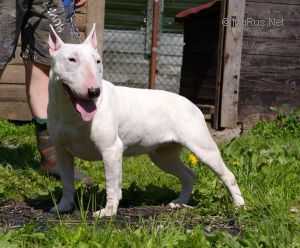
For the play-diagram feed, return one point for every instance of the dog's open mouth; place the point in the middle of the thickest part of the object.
(85, 107)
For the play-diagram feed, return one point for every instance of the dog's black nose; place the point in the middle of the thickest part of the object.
(93, 92)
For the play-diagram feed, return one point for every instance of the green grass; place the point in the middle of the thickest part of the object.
(266, 162)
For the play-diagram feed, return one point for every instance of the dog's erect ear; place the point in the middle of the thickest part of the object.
(92, 37)
(55, 43)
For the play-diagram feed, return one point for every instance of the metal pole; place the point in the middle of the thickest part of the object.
(154, 44)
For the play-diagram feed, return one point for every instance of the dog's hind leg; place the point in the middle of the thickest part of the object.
(167, 157)
(66, 171)
(208, 153)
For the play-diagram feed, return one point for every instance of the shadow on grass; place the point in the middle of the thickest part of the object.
(23, 156)
(19, 157)
(91, 198)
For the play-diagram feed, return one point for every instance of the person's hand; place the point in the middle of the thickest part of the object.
(79, 3)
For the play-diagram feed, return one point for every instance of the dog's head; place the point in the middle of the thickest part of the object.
(79, 68)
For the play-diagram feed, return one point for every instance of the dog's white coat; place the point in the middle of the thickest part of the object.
(128, 121)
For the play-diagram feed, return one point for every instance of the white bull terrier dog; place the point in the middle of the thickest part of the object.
(92, 119)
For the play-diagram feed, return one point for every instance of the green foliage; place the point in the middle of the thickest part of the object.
(266, 162)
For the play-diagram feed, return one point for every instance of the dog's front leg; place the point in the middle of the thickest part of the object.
(112, 158)
(66, 171)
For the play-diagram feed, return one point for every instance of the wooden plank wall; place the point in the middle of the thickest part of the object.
(270, 73)
(13, 101)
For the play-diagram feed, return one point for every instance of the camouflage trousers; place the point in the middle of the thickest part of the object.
(31, 20)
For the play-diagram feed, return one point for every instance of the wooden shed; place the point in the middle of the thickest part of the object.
(241, 58)
(13, 102)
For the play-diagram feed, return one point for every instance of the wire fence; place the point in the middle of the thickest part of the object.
(126, 60)
(126, 54)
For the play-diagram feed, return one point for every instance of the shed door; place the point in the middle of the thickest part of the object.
(202, 68)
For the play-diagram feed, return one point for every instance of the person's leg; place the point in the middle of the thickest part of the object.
(36, 79)
(37, 88)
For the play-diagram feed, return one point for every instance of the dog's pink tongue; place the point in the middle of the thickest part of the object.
(87, 109)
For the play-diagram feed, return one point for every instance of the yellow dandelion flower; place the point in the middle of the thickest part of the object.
(193, 160)
(236, 163)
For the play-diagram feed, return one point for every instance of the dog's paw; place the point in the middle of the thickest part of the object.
(105, 212)
(174, 205)
(239, 201)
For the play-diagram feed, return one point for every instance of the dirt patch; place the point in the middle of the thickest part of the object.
(16, 214)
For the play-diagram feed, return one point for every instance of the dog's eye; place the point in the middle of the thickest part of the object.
(73, 60)
(98, 61)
